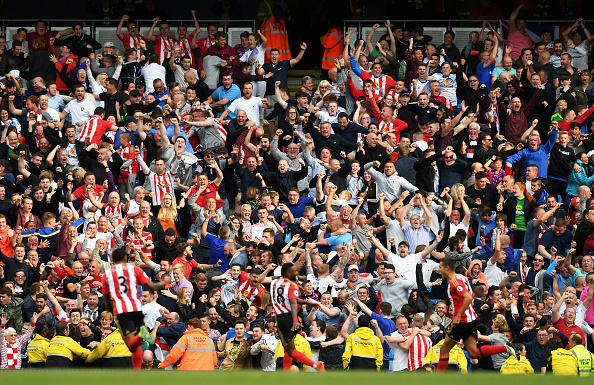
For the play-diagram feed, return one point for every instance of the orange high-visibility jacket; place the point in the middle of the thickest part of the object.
(276, 33)
(196, 350)
(333, 42)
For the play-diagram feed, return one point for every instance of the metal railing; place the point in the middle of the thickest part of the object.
(104, 30)
(436, 28)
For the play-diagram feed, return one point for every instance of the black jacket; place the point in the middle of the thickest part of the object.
(426, 173)
(79, 44)
(282, 183)
(40, 65)
(509, 209)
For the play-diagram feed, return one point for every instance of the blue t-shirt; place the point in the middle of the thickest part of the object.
(159, 96)
(489, 225)
(171, 133)
(297, 209)
(339, 240)
(334, 321)
(217, 251)
(561, 243)
(387, 327)
(232, 93)
(484, 74)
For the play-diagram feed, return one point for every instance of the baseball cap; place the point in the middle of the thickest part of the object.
(404, 93)
(207, 152)
(109, 44)
(353, 267)
(404, 243)
(68, 45)
(15, 73)
(162, 319)
(130, 119)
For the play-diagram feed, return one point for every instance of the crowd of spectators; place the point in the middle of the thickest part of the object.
(194, 157)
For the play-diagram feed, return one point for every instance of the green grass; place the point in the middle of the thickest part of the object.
(105, 377)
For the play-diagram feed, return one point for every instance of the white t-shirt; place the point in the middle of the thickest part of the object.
(53, 113)
(150, 73)
(407, 265)
(251, 107)
(429, 267)
(461, 225)
(494, 274)
(315, 354)
(80, 112)
(151, 313)
(134, 207)
(393, 229)
(400, 355)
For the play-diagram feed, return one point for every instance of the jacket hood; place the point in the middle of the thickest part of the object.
(365, 332)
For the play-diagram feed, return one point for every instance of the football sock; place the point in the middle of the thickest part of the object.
(135, 343)
(300, 357)
(137, 359)
(287, 362)
(443, 363)
(485, 351)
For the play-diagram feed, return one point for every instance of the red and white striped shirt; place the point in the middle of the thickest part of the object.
(222, 130)
(160, 184)
(115, 212)
(417, 351)
(138, 242)
(133, 42)
(128, 153)
(282, 291)
(10, 354)
(121, 283)
(163, 47)
(94, 130)
(28, 218)
(96, 282)
(187, 50)
(204, 44)
(161, 349)
(458, 286)
(253, 294)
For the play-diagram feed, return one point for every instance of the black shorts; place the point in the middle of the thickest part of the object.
(129, 323)
(284, 323)
(462, 331)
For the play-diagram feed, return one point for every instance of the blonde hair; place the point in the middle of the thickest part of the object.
(181, 293)
(98, 78)
(178, 266)
(265, 300)
(324, 83)
(168, 212)
(455, 188)
(106, 315)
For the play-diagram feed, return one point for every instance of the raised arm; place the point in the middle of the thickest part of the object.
(297, 59)
(150, 36)
(512, 19)
(370, 37)
(119, 33)
(466, 209)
